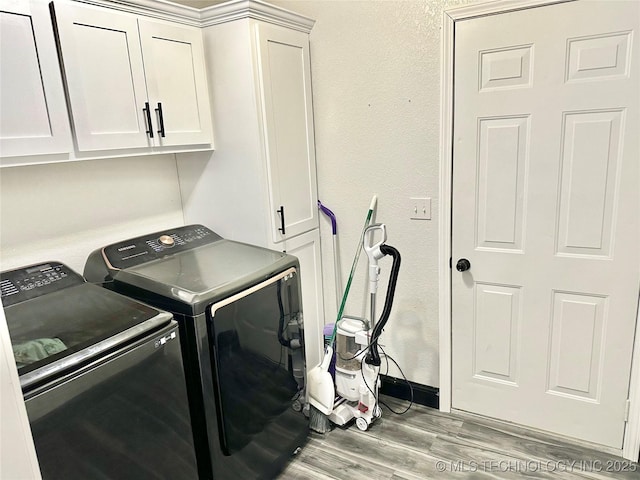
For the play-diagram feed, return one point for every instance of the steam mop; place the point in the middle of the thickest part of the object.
(320, 386)
(357, 358)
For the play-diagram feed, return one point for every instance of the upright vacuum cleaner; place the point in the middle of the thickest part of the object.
(357, 354)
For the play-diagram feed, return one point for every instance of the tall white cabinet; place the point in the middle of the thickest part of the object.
(259, 186)
(284, 88)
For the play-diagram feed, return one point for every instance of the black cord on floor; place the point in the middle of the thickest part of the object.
(405, 379)
(377, 396)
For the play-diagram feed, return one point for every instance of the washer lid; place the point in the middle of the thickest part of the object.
(57, 321)
(205, 273)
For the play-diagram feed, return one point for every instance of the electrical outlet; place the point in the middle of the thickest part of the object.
(419, 208)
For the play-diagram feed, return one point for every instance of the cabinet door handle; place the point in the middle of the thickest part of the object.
(281, 212)
(147, 111)
(160, 119)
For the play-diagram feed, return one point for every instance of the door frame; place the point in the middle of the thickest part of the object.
(631, 442)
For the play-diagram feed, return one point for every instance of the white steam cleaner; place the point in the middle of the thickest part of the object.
(357, 368)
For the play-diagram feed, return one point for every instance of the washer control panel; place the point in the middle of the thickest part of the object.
(29, 282)
(136, 251)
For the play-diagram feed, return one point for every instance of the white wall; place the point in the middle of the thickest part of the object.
(376, 86)
(64, 211)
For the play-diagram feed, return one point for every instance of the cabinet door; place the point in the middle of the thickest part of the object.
(33, 117)
(285, 88)
(307, 248)
(176, 82)
(104, 75)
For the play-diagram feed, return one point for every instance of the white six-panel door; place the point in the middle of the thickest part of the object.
(546, 208)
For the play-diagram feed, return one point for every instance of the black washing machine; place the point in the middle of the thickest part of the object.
(240, 317)
(102, 379)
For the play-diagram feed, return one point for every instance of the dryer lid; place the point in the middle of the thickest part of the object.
(205, 273)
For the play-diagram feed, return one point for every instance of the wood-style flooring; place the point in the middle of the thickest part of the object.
(425, 443)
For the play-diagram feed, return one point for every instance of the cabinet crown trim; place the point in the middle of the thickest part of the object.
(159, 9)
(213, 15)
(256, 9)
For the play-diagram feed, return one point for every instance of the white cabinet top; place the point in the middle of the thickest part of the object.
(213, 15)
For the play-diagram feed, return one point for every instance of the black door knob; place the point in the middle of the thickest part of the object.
(463, 265)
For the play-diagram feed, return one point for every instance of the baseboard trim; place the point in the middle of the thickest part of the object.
(399, 388)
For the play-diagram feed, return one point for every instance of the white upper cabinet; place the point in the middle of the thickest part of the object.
(285, 87)
(33, 116)
(104, 74)
(132, 82)
(176, 82)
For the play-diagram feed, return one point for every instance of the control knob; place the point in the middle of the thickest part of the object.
(167, 241)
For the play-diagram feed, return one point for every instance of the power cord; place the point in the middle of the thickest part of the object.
(388, 357)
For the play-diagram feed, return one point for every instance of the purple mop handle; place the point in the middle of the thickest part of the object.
(331, 215)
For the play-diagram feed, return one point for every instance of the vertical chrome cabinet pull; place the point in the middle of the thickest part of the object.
(160, 119)
(281, 212)
(147, 111)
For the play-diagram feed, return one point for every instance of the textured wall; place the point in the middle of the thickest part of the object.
(376, 87)
(63, 211)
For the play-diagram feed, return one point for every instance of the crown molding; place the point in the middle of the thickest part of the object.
(214, 15)
(256, 9)
(160, 9)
